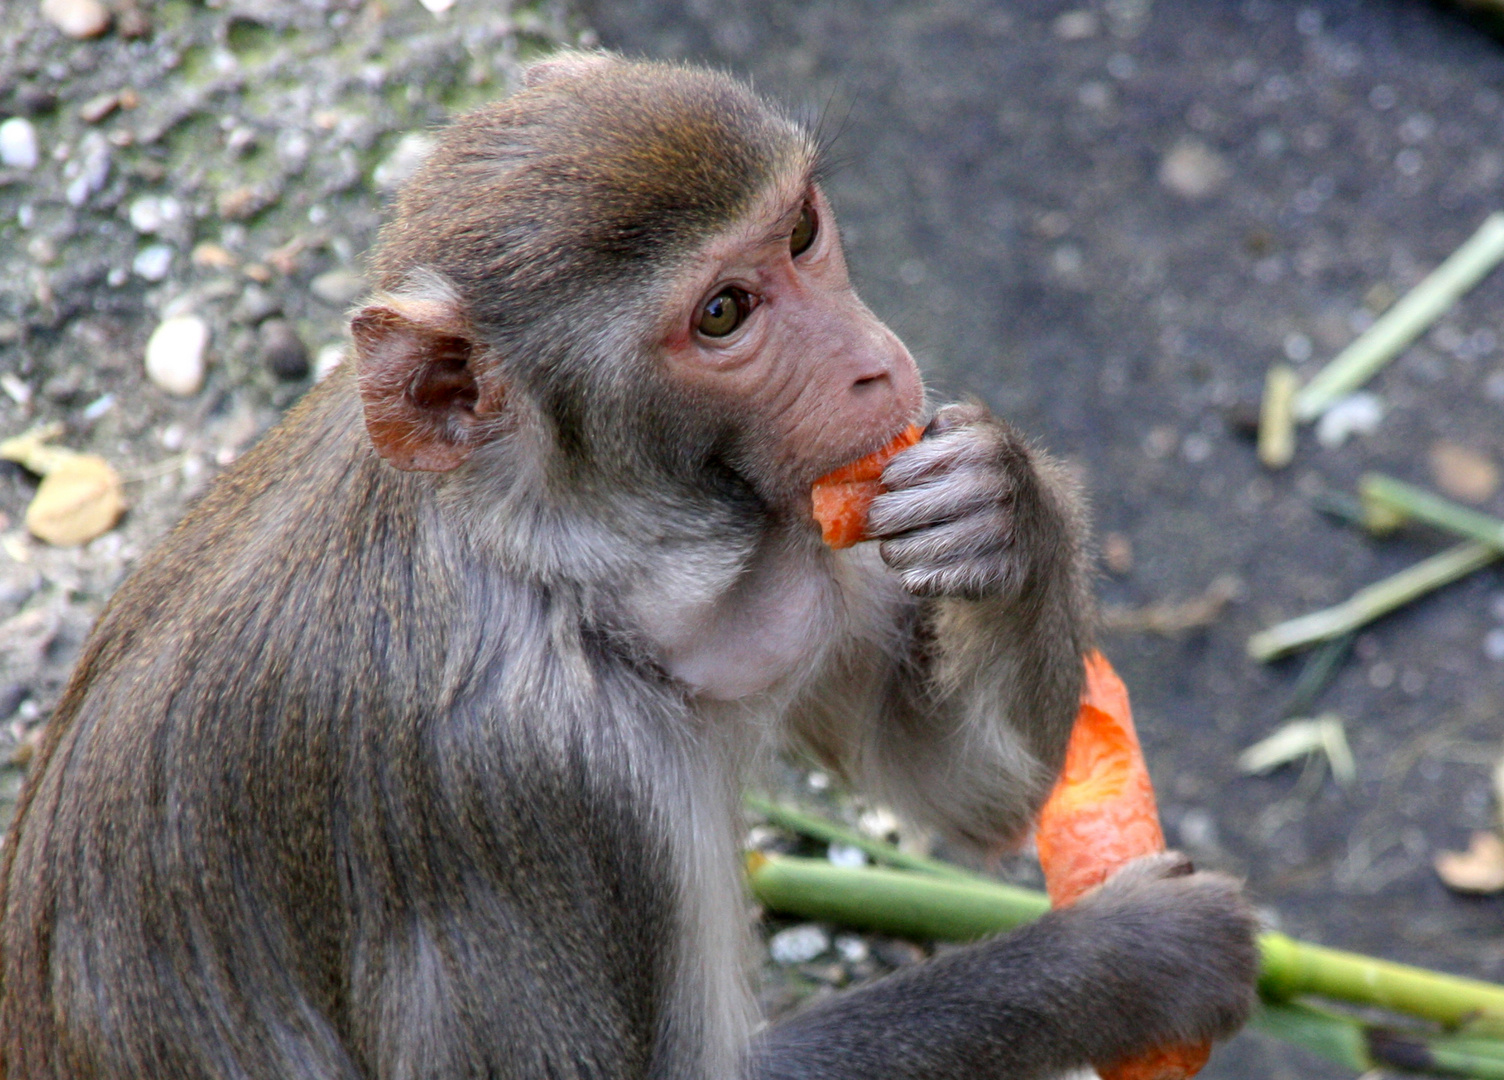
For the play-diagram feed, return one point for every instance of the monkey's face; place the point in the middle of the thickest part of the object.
(766, 326)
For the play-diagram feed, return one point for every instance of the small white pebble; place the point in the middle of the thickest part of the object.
(403, 162)
(1493, 644)
(15, 389)
(1196, 448)
(848, 856)
(18, 144)
(175, 355)
(77, 18)
(438, 7)
(153, 263)
(328, 359)
(852, 949)
(1297, 348)
(1198, 829)
(818, 781)
(99, 406)
(1355, 414)
(798, 944)
(153, 213)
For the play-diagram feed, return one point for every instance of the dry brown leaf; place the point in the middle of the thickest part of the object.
(79, 499)
(1462, 473)
(1479, 869)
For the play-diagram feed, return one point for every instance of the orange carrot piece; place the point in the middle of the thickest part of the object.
(842, 498)
(1100, 816)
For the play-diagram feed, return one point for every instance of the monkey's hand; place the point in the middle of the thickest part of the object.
(966, 513)
(1179, 951)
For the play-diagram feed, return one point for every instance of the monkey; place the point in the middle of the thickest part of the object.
(416, 748)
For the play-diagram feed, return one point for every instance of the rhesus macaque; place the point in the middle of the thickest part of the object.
(415, 750)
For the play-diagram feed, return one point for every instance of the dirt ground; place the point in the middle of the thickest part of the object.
(1107, 220)
(1104, 219)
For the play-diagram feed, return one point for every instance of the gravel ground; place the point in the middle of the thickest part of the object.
(1106, 219)
(226, 163)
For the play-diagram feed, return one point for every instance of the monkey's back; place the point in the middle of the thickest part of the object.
(243, 788)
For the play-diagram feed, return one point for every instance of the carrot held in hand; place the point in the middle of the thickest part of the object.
(842, 498)
(1100, 816)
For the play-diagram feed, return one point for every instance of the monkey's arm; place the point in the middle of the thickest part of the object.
(955, 695)
(1152, 958)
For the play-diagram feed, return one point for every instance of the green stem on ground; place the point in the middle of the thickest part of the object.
(1388, 494)
(1276, 447)
(1406, 320)
(917, 905)
(1368, 604)
(944, 902)
(822, 829)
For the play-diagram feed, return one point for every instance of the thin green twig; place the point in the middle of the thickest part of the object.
(1368, 604)
(1396, 496)
(1406, 320)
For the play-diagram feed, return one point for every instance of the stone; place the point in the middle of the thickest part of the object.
(18, 144)
(89, 169)
(153, 213)
(153, 263)
(176, 355)
(254, 305)
(1193, 170)
(77, 18)
(798, 944)
(283, 351)
(1358, 413)
(329, 358)
(338, 287)
(403, 162)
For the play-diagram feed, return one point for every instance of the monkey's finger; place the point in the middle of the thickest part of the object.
(933, 503)
(960, 414)
(970, 447)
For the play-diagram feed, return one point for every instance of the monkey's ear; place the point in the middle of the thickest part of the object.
(425, 407)
(567, 64)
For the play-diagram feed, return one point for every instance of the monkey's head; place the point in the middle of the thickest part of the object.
(638, 259)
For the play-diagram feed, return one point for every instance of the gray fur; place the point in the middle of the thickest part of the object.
(369, 773)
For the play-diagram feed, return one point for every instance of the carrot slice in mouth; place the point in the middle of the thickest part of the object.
(1101, 815)
(843, 498)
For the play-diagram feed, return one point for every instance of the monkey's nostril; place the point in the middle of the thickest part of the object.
(869, 380)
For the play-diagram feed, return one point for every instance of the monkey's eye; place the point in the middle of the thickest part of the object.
(724, 312)
(804, 232)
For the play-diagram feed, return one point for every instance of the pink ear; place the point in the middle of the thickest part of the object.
(423, 402)
(564, 65)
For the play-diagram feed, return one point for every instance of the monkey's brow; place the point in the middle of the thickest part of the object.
(787, 219)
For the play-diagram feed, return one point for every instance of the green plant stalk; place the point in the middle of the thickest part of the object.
(1387, 493)
(914, 905)
(897, 902)
(1276, 447)
(1349, 1042)
(1406, 320)
(1339, 1039)
(878, 850)
(1368, 604)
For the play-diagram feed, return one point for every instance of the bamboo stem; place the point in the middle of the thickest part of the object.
(1291, 968)
(1368, 604)
(1406, 320)
(1277, 417)
(897, 902)
(913, 905)
(822, 829)
(1387, 493)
